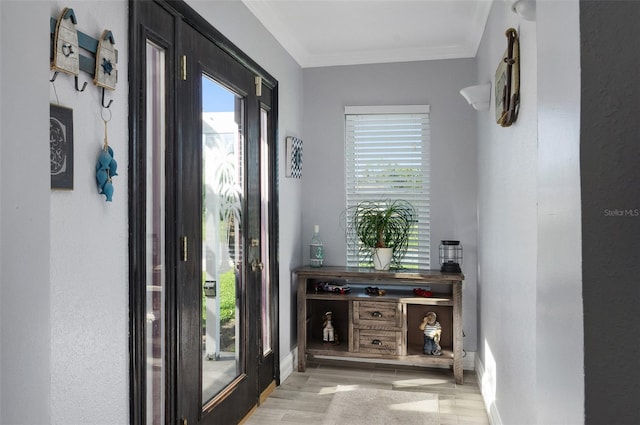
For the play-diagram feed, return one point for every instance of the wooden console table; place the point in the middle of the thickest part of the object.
(380, 326)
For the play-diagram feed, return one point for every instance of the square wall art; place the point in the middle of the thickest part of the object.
(61, 147)
(294, 157)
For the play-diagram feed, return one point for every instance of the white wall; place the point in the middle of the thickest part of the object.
(239, 25)
(559, 311)
(507, 221)
(453, 154)
(531, 345)
(24, 205)
(89, 243)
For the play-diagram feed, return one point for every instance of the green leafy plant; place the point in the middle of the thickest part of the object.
(381, 224)
(226, 292)
(227, 296)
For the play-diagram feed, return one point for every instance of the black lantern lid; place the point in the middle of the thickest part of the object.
(450, 242)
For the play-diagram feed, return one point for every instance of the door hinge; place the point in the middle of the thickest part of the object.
(184, 244)
(258, 86)
(183, 68)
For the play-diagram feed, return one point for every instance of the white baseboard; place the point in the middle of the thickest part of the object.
(489, 405)
(469, 360)
(286, 364)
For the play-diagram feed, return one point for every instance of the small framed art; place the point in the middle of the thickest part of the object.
(294, 157)
(61, 147)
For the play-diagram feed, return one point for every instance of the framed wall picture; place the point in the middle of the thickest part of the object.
(294, 157)
(61, 147)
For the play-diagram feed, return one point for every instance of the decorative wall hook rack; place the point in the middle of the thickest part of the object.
(66, 55)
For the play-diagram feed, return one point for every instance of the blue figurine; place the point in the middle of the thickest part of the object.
(106, 168)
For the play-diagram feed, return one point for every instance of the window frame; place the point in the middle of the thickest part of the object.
(367, 154)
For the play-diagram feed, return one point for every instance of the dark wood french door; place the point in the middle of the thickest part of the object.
(203, 202)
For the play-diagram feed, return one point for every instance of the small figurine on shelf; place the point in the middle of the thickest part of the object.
(329, 334)
(374, 290)
(432, 331)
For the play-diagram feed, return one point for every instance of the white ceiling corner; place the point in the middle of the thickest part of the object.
(348, 32)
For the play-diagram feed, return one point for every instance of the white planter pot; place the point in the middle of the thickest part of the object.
(382, 258)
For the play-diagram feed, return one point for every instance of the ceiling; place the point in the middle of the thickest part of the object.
(347, 32)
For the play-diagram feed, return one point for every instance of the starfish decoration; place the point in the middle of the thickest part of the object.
(107, 66)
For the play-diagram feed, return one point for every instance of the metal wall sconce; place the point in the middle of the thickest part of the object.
(526, 9)
(478, 96)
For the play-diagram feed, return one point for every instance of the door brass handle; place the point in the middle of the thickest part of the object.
(257, 265)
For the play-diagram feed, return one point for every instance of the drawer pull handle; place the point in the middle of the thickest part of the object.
(376, 342)
(376, 314)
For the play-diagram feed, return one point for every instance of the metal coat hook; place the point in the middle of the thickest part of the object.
(108, 104)
(84, 86)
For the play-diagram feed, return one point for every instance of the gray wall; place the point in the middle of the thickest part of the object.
(453, 153)
(24, 214)
(609, 159)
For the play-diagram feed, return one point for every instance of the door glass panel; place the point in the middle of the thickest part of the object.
(155, 234)
(264, 226)
(223, 189)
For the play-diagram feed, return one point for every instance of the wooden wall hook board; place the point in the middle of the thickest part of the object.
(106, 74)
(66, 51)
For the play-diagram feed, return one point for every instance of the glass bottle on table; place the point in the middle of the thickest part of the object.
(316, 248)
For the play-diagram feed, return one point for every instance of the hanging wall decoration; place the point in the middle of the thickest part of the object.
(507, 84)
(61, 147)
(107, 167)
(98, 58)
(294, 157)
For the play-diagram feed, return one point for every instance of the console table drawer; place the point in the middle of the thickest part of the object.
(372, 341)
(377, 314)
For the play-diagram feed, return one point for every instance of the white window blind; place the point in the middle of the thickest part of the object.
(387, 158)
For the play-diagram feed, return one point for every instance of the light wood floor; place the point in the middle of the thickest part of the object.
(304, 397)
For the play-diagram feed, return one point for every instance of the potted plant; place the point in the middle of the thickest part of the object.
(381, 229)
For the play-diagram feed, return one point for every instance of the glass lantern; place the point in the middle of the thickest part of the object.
(450, 256)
